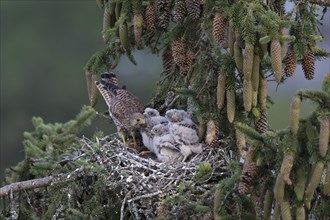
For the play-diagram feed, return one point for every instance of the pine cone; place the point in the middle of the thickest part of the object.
(231, 104)
(247, 95)
(167, 60)
(190, 57)
(219, 26)
(124, 36)
(308, 64)
(221, 90)
(212, 132)
(290, 63)
(248, 178)
(178, 52)
(241, 143)
(193, 8)
(138, 21)
(106, 25)
(150, 18)
(164, 13)
(262, 124)
(180, 11)
(276, 57)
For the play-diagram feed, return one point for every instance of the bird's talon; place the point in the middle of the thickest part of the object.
(142, 153)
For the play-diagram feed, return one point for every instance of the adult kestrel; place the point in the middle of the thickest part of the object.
(125, 109)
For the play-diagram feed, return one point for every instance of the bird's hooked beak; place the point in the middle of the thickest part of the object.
(141, 121)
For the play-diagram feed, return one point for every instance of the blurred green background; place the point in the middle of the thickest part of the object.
(44, 47)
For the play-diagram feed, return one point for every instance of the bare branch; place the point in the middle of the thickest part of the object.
(26, 185)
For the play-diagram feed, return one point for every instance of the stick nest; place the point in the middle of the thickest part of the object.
(144, 183)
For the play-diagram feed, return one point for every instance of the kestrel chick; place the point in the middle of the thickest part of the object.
(150, 112)
(166, 148)
(152, 118)
(184, 131)
(125, 109)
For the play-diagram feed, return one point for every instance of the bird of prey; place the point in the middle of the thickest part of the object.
(184, 131)
(152, 118)
(166, 148)
(125, 109)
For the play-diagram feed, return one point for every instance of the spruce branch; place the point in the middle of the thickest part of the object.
(248, 131)
(320, 3)
(318, 96)
(38, 183)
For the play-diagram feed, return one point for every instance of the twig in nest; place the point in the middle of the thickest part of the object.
(144, 196)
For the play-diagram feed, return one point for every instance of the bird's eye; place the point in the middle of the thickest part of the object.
(138, 119)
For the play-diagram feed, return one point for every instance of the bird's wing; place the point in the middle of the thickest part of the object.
(104, 92)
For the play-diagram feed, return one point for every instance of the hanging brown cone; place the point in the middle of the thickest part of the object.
(285, 210)
(150, 18)
(231, 105)
(262, 123)
(294, 114)
(212, 133)
(221, 90)
(112, 9)
(219, 27)
(308, 64)
(314, 181)
(137, 22)
(118, 9)
(180, 11)
(167, 60)
(248, 61)
(290, 63)
(248, 177)
(255, 72)
(300, 213)
(238, 56)
(324, 136)
(189, 58)
(263, 92)
(92, 90)
(193, 8)
(164, 13)
(241, 143)
(123, 35)
(179, 53)
(255, 79)
(106, 25)
(231, 37)
(326, 185)
(268, 202)
(276, 58)
(247, 95)
(286, 167)
(279, 189)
